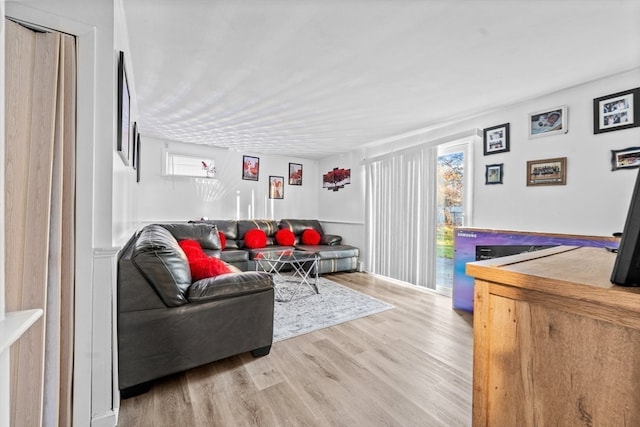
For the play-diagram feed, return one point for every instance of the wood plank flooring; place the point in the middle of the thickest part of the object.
(409, 366)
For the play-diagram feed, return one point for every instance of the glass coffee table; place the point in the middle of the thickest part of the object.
(301, 268)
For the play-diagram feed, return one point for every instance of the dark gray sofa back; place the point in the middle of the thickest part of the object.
(205, 234)
(267, 225)
(228, 227)
(157, 255)
(299, 225)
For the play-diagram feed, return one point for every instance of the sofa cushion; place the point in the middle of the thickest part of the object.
(299, 225)
(159, 258)
(201, 265)
(285, 237)
(229, 285)
(310, 237)
(234, 255)
(254, 239)
(205, 234)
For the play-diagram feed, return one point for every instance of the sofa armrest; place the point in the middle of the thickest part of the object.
(229, 285)
(330, 239)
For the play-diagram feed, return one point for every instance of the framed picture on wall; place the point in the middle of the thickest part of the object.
(616, 111)
(250, 168)
(276, 187)
(295, 174)
(496, 139)
(124, 111)
(627, 158)
(547, 172)
(138, 165)
(134, 160)
(493, 174)
(548, 122)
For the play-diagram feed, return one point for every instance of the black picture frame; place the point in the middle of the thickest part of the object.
(551, 121)
(493, 174)
(626, 158)
(134, 159)
(250, 168)
(496, 139)
(276, 187)
(295, 174)
(617, 111)
(138, 143)
(124, 112)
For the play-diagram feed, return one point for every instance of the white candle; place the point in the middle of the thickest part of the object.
(238, 204)
(265, 208)
(272, 213)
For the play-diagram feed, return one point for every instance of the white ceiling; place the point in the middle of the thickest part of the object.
(311, 78)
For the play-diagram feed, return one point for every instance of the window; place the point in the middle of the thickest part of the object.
(176, 164)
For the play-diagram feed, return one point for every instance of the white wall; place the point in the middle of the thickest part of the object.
(594, 201)
(163, 198)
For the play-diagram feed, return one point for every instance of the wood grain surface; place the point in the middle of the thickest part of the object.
(554, 342)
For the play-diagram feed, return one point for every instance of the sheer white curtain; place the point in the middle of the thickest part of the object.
(400, 215)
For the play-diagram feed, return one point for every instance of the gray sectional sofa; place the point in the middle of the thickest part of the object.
(333, 255)
(168, 322)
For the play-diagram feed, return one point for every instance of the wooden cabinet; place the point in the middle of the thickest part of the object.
(555, 343)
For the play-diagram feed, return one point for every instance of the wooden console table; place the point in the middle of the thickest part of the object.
(555, 343)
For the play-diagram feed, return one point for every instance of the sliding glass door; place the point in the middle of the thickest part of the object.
(453, 196)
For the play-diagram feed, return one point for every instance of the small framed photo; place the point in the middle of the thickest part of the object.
(616, 111)
(627, 158)
(250, 168)
(496, 139)
(548, 122)
(295, 174)
(493, 174)
(276, 187)
(547, 172)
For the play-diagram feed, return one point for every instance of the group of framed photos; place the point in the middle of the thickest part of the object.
(251, 172)
(128, 137)
(610, 113)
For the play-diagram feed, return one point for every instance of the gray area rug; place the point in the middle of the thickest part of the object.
(307, 311)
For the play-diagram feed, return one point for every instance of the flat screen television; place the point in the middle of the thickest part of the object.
(626, 270)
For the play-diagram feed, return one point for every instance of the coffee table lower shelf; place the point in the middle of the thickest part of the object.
(302, 265)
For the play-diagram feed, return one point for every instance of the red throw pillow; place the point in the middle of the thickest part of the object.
(207, 267)
(255, 239)
(310, 237)
(192, 249)
(223, 240)
(285, 237)
(201, 265)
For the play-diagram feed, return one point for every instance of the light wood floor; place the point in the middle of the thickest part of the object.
(409, 366)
